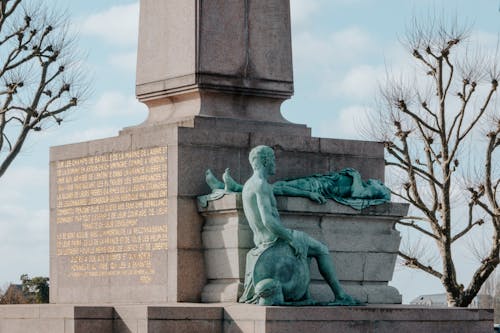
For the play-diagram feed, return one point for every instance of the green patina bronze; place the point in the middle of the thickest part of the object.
(277, 269)
(345, 187)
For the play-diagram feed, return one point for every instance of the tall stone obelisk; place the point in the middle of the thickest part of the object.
(228, 59)
(124, 221)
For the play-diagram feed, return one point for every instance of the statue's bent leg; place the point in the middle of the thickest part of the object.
(326, 267)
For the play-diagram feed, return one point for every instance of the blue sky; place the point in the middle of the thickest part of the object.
(342, 48)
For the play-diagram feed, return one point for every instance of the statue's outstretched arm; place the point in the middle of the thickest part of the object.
(283, 188)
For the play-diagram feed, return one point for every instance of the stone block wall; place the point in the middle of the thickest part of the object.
(124, 222)
(363, 245)
(239, 318)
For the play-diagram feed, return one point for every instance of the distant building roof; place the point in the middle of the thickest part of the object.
(437, 300)
(430, 300)
(18, 287)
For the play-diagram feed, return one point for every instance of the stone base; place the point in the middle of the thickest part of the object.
(170, 266)
(222, 291)
(240, 318)
(363, 245)
(367, 291)
(227, 291)
(367, 319)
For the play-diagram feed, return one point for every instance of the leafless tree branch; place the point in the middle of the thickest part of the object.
(424, 143)
(415, 263)
(35, 65)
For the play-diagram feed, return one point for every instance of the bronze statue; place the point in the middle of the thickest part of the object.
(345, 187)
(277, 271)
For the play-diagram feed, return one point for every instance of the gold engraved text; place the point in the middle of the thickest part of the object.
(112, 200)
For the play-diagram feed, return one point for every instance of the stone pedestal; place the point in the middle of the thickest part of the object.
(124, 221)
(363, 245)
(240, 318)
(369, 319)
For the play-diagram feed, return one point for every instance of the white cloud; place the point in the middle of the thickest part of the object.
(341, 47)
(485, 38)
(351, 41)
(303, 10)
(24, 242)
(351, 2)
(337, 62)
(21, 178)
(348, 123)
(24, 223)
(117, 104)
(116, 25)
(17, 222)
(92, 134)
(361, 82)
(124, 61)
(110, 105)
(311, 50)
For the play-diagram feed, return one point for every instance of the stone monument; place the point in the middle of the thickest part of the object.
(129, 250)
(124, 224)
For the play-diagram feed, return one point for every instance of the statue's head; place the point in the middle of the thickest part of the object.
(262, 157)
(377, 189)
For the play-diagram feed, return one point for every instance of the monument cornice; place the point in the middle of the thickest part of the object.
(210, 82)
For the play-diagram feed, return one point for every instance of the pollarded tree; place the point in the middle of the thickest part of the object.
(39, 79)
(432, 127)
(35, 289)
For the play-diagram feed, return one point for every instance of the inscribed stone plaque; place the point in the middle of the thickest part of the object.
(107, 209)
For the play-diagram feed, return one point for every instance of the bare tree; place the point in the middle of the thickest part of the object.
(39, 79)
(488, 292)
(427, 125)
(477, 246)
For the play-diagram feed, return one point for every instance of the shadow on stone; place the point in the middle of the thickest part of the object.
(95, 319)
(119, 324)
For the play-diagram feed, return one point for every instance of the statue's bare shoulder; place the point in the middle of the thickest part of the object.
(257, 185)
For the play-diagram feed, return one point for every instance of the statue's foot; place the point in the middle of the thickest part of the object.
(212, 181)
(346, 300)
(230, 185)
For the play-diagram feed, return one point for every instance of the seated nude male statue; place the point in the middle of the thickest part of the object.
(259, 205)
